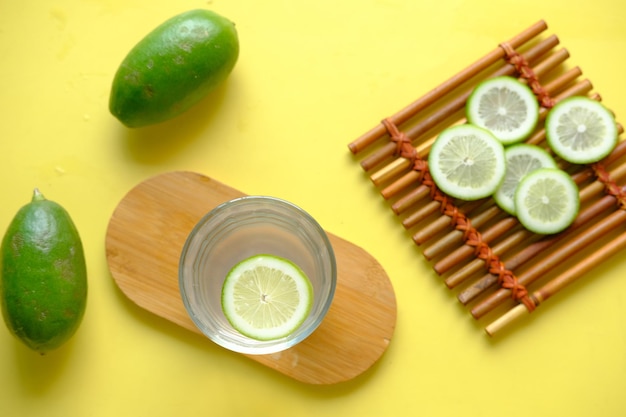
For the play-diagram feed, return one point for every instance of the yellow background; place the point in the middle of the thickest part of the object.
(311, 77)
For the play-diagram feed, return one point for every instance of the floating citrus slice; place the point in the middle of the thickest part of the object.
(266, 297)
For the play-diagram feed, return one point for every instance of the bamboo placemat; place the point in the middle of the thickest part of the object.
(496, 266)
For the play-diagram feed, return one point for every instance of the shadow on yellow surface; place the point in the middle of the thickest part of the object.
(48, 368)
(155, 144)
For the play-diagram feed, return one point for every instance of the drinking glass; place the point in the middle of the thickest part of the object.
(239, 229)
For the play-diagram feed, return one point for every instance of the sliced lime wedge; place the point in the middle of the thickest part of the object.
(547, 201)
(581, 130)
(266, 297)
(504, 106)
(521, 159)
(467, 162)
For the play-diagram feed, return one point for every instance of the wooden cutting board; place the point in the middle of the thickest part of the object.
(144, 240)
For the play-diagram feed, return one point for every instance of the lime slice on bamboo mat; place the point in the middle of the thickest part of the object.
(266, 297)
(467, 162)
(521, 159)
(504, 106)
(547, 201)
(581, 130)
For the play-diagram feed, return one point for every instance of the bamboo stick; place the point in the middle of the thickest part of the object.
(560, 282)
(408, 200)
(453, 106)
(392, 170)
(400, 184)
(561, 82)
(466, 74)
(422, 213)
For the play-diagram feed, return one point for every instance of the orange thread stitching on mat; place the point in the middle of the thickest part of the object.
(485, 252)
(482, 250)
(525, 71)
(421, 167)
(610, 186)
(461, 222)
(453, 212)
(518, 291)
(404, 148)
(471, 236)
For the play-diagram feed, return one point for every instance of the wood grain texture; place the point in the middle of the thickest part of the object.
(145, 237)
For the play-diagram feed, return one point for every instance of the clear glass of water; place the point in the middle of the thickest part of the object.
(239, 229)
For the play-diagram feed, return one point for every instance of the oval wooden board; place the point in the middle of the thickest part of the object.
(144, 240)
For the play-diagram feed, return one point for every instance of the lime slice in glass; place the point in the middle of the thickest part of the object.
(581, 130)
(266, 297)
(504, 106)
(467, 162)
(547, 201)
(521, 159)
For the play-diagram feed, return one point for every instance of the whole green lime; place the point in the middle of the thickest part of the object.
(43, 276)
(174, 67)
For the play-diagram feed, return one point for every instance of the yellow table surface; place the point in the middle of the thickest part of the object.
(311, 77)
